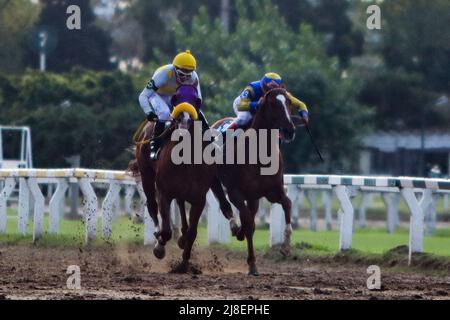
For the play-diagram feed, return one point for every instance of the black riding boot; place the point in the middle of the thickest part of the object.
(155, 144)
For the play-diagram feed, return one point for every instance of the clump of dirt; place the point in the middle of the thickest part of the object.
(30, 272)
(214, 264)
(275, 253)
(180, 267)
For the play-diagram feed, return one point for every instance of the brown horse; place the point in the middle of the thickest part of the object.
(245, 184)
(183, 182)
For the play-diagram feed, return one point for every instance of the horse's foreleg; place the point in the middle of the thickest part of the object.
(191, 234)
(287, 206)
(247, 229)
(184, 223)
(224, 204)
(253, 206)
(166, 231)
(148, 184)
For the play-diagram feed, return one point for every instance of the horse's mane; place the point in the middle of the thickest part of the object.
(275, 91)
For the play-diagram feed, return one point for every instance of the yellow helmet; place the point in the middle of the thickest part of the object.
(185, 60)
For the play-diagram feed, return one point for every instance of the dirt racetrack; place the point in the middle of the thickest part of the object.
(35, 272)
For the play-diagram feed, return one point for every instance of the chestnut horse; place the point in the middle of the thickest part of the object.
(245, 184)
(183, 182)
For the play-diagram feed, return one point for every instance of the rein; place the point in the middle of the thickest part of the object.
(141, 128)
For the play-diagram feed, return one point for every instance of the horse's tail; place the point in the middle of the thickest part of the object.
(133, 168)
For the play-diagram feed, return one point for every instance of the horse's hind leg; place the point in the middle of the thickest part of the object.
(286, 203)
(166, 231)
(191, 234)
(225, 205)
(148, 184)
(184, 223)
(247, 229)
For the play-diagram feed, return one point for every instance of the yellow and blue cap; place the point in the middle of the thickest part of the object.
(271, 77)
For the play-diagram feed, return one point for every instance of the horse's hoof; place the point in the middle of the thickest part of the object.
(234, 228)
(240, 235)
(181, 242)
(253, 271)
(285, 250)
(159, 251)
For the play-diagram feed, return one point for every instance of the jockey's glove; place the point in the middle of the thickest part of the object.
(303, 114)
(253, 106)
(151, 116)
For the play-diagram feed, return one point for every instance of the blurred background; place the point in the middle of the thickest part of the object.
(378, 99)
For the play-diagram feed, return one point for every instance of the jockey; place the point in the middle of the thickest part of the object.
(157, 96)
(247, 103)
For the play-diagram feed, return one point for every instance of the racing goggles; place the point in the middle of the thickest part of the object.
(184, 75)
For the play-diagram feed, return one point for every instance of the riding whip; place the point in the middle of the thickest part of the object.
(312, 141)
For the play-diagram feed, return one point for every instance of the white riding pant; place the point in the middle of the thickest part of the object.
(149, 101)
(160, 105)
(243, 117)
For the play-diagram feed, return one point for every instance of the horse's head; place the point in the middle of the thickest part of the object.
(274, 109)
(187, 103)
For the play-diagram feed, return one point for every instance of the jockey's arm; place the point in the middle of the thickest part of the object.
(199, 91)
(245, 102)
(299, 105)
(157, 81)
(144, 97)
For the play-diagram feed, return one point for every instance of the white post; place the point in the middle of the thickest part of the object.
(24, 206)
(42, 60)
(55, 205)
(175, 219)
(149, 226)
(108, 208)
(9, 186)
(431, 221)
(346, 217)
(296, 195)
(392, 202)
(218, 227)
(312, 199)
(262, 212)
(416, 222)
(362, 209)
(90, 208)
(446, 206)
(277, 224)
(49, 191)
(117, 212)
(327, 201)
(129, 192)
(426, 203)
(39, 202)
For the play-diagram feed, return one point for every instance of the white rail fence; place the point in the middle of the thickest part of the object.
(420, 195)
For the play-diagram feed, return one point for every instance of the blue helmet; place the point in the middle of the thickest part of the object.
(271, 80)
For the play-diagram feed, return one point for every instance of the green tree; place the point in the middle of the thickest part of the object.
(226, 62)
(83, 112)
(414, 49)
(17, 18)
(87, 47)
(417, 37)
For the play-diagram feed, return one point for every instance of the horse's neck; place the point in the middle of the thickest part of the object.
(258, 122)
